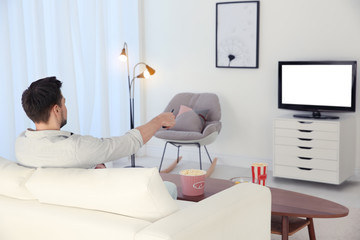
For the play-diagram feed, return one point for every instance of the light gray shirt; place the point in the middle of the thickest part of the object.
(53, 148)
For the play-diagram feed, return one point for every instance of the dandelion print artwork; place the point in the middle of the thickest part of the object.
(237, 34)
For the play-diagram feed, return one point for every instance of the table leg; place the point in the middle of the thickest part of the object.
(285, 228)
(311, 229)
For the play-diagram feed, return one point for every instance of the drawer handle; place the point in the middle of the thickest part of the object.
(303, 122)
(306, 131)
(308, 148)
(305, 139)
(306, 169)
(304, 158)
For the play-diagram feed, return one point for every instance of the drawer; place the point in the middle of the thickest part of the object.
(306, 134)
(308, 125)
(320, 153)
(313, 163)
(312, 175)
(306, 142)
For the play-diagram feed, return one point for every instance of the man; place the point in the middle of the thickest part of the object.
(48, 146)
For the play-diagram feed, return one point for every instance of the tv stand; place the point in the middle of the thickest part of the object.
(314, 149)
(315, 115)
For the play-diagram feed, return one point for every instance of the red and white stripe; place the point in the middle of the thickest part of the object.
(259, 173)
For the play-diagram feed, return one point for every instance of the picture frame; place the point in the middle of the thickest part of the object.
(237, 34)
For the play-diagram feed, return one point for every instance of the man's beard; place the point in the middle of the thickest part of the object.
(63, 121)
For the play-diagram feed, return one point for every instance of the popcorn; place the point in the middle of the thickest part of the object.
(259, 164)
(192, 172)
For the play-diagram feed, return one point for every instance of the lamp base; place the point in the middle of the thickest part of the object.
(133, 165)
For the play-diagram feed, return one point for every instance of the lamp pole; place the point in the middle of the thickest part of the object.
(131, 84)
(124, 56)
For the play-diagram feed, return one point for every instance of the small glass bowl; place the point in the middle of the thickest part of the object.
(238, 180)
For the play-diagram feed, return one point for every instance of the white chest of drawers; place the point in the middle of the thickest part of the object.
(314, 150)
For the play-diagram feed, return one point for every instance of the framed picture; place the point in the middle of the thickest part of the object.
(237, 34)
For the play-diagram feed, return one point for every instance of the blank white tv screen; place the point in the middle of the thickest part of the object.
(323, 85)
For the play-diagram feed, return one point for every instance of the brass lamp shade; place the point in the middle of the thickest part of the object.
(150, 70)
(123, 56)
(147, 73)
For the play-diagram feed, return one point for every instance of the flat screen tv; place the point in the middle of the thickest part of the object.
(317, 86)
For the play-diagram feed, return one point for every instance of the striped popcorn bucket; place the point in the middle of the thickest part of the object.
(192, 182)
(259, 174)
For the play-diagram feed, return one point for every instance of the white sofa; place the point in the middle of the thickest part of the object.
(42, 204)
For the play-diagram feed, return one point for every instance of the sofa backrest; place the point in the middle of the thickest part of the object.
(138, 193)
(13, 178)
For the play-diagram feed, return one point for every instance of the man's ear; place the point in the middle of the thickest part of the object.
(56, 109)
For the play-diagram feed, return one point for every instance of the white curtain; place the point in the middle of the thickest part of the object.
(79, 42)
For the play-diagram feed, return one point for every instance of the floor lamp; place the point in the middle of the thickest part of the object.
(144, 74)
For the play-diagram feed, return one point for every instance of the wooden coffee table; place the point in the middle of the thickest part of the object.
(290, 211)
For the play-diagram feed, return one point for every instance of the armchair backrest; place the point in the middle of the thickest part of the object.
(197, 101)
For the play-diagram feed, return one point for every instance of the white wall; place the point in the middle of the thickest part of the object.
(178, 39)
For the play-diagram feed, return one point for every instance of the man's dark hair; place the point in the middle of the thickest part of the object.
(40, 97)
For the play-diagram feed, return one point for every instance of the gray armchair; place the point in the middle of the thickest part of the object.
(188, 131)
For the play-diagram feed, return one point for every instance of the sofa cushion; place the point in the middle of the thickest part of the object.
(31, 220)
(138, 192)
(13, 178)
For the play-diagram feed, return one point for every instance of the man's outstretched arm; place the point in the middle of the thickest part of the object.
(148, 130)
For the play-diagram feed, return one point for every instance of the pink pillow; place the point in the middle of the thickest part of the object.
(183, 109)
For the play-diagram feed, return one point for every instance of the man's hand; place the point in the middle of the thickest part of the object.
(166, 119)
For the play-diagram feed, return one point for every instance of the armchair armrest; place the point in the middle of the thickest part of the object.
(210, 127)
(240, 212)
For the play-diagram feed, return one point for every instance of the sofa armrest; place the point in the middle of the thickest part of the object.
(240, 212)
